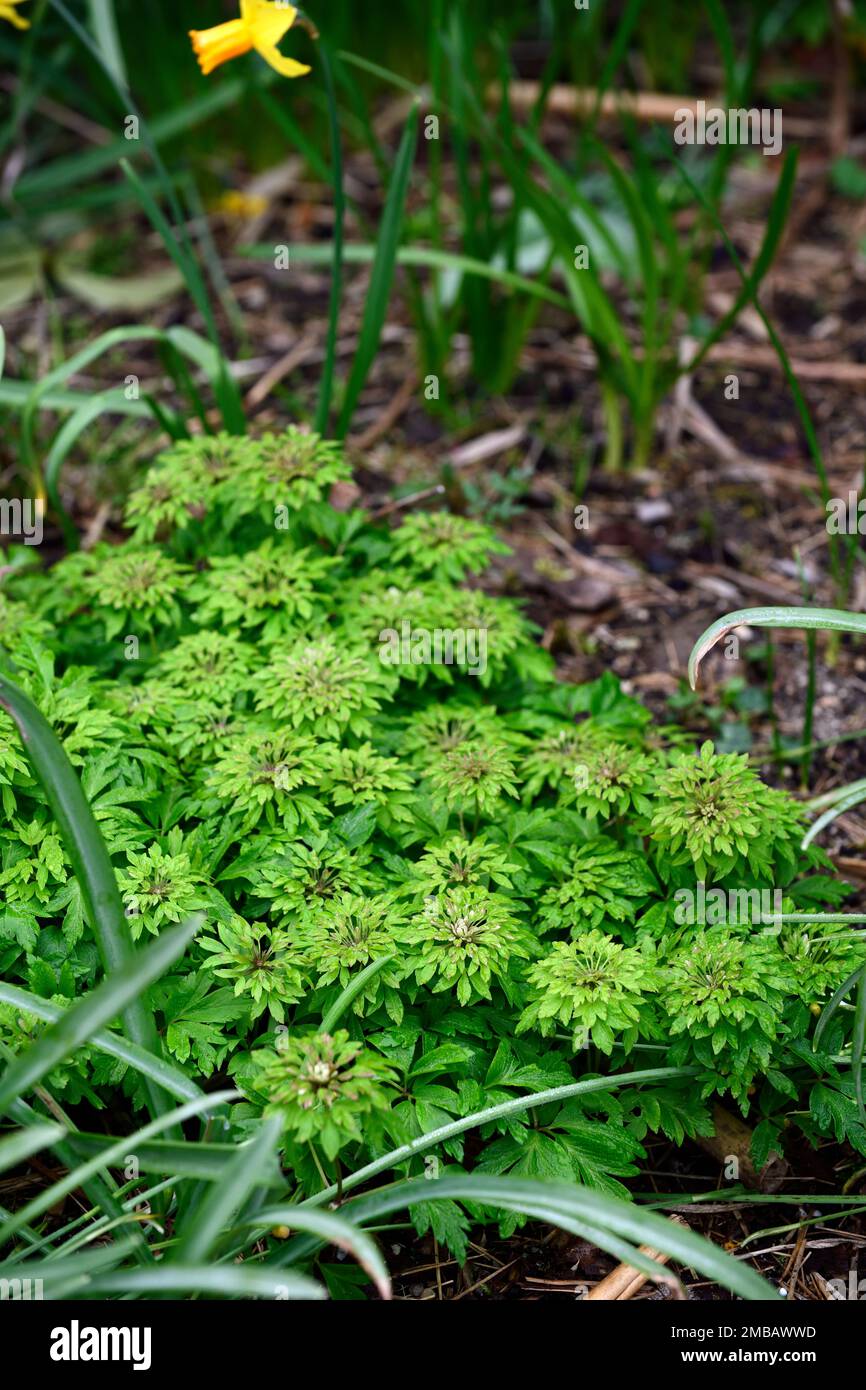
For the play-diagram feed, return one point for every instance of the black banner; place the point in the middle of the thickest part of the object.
(84, 1340)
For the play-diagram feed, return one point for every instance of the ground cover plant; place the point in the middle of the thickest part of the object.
(420, 890)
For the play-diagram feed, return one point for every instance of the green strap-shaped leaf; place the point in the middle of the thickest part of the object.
(606, 1220)
(95, 874)
(101, 1189)
(351, 992)
(845, 803)
(333, 1230)
(825, 619)
(44, 393)
(425, 257)
(858, 1043)
(64, 1278)
(515, 1106)
(116, 1153)
(243, 1281)
(17, 1148)
(103, 22)
(164, 1073)
(125, 983)
(250, 1167)
(168, 1158)
(382, 277)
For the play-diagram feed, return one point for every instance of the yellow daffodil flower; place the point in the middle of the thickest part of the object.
(8, 11)
(235, 203)
(263, 23)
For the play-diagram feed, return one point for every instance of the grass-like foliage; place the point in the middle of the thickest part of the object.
(426, 889)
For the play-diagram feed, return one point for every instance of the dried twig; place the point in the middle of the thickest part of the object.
(625, 1281)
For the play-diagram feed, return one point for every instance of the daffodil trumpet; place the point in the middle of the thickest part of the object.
(262, 25)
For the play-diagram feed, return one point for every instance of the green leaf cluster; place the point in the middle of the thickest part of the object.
(472, 877)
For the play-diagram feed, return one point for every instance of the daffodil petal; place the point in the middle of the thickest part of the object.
(268, 23)
(6, 12)
(287, 67)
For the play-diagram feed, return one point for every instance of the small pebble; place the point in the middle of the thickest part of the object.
(652, 509)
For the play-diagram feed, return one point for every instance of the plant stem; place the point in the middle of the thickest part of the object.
(612, 428)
